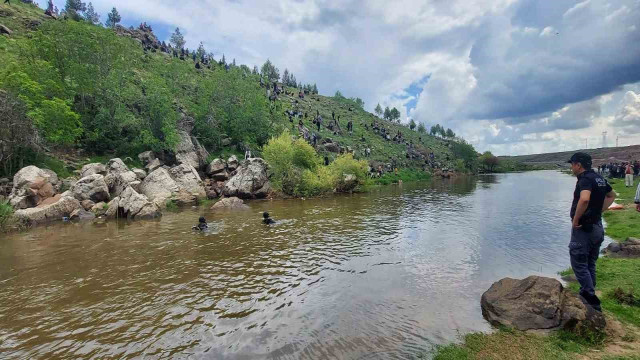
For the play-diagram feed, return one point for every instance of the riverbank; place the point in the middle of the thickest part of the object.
(622, 338)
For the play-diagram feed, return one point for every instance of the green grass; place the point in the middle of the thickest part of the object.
(622, 224)
(172, 206)
(406, 175)
(511, 344)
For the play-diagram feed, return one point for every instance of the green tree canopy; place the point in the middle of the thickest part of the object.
(421, 128)
(412, 124)
(378, 110)
(269, 72)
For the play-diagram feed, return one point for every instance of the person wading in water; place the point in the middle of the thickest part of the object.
(592, 196)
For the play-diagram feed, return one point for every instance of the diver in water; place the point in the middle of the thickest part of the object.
(202, 224)
(266, 219)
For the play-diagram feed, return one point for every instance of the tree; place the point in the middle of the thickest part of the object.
(412, 124)
(177, 39)
(489, 161)
(466, 152)
(255, 70)
(17, 133)
(315, 89)
(113, 18)
(378, 110)
(442, 132)
(387, 113)
(73, 8)
(450, 134)
(338, 95)
(270, 72)
(200, 53)
(359, 102)
(421, 128)
(434, 130)
(91, 16)
(395, 115)
(286, 79)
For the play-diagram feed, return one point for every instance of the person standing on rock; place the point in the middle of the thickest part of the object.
(592, 196)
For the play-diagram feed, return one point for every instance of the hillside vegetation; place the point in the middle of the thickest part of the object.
(73, 87)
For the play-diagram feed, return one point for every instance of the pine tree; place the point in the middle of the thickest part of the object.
(73, 8)
(177, 39)
(450, 134)
(412, 124)
(200, 53)
(255, 70)
(378, 110)
(270, 72)
(315, 89)
(387, 113)
(113, 18)
(422, 129)
(285, 77)
(91, 16)
(395, 114)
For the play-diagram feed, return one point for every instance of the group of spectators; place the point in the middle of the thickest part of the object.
(624, 170)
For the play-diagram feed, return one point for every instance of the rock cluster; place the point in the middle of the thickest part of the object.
(538, 303)
(629, 248)
(31, 186)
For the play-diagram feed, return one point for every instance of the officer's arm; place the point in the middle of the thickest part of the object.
(583, 203)
(608, 200)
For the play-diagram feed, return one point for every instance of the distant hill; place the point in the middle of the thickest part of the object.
(600, 156)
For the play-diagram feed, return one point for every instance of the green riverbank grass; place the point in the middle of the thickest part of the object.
(6, 212)
(612, 273)
(405, 174)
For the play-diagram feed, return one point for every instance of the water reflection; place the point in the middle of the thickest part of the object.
(379, 275)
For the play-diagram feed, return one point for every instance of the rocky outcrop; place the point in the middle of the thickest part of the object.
(132, 205)
(159, 186)
(232, 203)
(190, 152)
(92, 169)
(232, 163)
(250, 181)
(51, 212)
(538, 303)
(217, 169)
(630, 248)
(117, 166)
(32, 185)
(92, 187)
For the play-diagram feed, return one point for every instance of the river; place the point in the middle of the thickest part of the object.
(382, 275)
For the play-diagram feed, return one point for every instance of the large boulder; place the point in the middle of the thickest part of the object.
(537, 303)
(51, 212)
(119, 181)
(92, 169)
(158, 186)
(132, 205)
(117, 166)
(250, 182)
(232, 203)
(232, 163)
(216, 166)
(181, 183)
(141, 174)
(32, 185)
(92, 187)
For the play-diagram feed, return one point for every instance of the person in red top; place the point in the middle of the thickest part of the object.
(628, 175)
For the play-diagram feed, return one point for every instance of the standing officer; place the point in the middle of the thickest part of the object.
(592, 196)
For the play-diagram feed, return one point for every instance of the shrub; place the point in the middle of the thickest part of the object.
(346, 165)
(288, 159)
(6, 212)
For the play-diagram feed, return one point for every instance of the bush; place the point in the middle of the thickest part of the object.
(346, 165)
(6, 212)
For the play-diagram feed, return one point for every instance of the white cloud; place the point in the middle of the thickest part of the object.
(548, 31)
(576, 8)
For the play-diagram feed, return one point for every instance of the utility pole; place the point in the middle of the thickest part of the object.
(604, 139)
(586, 143)
(617, 138)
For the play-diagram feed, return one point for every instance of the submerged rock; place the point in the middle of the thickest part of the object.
(232, 203)
(537, 303)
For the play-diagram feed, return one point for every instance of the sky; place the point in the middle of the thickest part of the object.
(509, 76)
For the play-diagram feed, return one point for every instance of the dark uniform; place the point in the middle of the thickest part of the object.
(584, 247)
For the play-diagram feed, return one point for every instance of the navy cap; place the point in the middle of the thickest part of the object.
(582, 158)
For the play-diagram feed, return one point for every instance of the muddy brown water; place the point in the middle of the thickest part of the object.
(382, 275)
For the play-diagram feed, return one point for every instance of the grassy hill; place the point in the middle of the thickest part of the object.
(600, 156)
(84, 91)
